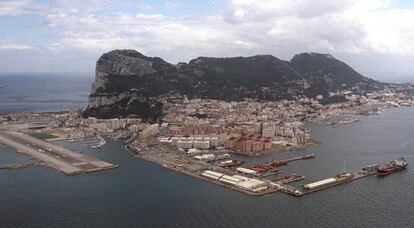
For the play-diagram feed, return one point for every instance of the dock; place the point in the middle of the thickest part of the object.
(230, 178)
(294, 191)
(289, 179)
(56, 157)
(91, 142)
(277, 163)
(305, 157)
(272, 168)
(187, 166)
(270, 174)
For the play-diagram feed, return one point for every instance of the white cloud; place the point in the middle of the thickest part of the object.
(10, 47)
(17, 7)
(245, 27)
(282, 27)
(343, 26)
(390, 31)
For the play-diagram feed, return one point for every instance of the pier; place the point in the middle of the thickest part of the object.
(294, 191)
(56, 157)
(305, 157)
(289, 179)
(284, 162)
(167, 158)
(271, 168)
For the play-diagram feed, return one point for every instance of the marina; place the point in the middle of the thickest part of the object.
(91, 142)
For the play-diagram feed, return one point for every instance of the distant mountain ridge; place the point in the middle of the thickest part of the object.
(130, 83)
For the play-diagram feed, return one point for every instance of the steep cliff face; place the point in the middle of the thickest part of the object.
(124, 63)
(129, 83)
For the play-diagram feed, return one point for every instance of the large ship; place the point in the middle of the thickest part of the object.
(392, 167)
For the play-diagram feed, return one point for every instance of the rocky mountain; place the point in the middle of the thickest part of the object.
(129, 83)
(325, 73)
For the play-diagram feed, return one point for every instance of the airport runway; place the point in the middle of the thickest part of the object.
(57, 157)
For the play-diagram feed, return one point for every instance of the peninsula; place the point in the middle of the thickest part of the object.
(192, 117)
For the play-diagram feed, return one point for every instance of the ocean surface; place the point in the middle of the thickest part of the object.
(44, 92)
(143, 194)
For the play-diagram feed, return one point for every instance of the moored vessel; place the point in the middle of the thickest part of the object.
(392, 167)
(231, 163)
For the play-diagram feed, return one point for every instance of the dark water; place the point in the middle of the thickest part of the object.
(44, 92)
(142, 194)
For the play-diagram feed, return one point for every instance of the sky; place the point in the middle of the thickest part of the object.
(373, 36)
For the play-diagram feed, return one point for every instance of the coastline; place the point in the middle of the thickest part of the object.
(199, 177)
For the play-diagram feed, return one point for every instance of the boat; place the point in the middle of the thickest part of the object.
(235, 163)
(278, 163)
(392, 167)
(259, 169)
(371, 168)
(290, 178)
(343, 177)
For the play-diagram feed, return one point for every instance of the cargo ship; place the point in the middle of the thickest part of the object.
(391, 167)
